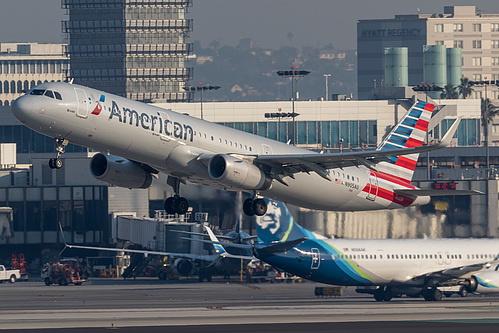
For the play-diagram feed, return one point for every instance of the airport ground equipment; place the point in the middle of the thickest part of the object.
(64, 272)
(10, 275)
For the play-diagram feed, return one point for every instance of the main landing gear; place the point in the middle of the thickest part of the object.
(176, 204)
(383, 294)
(254, 206)
(60, 147)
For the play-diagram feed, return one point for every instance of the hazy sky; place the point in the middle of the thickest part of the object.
(267, 22)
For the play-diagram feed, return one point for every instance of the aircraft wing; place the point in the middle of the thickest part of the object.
(458, 272)
(287, 165)
(146, 252)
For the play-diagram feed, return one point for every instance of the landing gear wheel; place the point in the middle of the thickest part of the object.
(387, 295)
(436, 295)
(169, 205)
(463, 292)
(427, 294)
(176, 205)
(52, 163)
(181, 205)
(259, 207)
(378, 295)
(248, 207)
(58, 163)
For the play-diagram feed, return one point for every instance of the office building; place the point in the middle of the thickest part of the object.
(476, 34)
(133, 48)
(24, 65)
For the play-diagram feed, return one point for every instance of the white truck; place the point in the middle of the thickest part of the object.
(9, 275)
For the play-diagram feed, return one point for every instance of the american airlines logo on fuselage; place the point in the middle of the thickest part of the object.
(159, 124)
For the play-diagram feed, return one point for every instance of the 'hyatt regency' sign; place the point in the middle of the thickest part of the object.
(390, 32)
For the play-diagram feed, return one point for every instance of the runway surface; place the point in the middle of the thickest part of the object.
(136, 305)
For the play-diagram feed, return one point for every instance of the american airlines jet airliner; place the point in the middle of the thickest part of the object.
(138, 141)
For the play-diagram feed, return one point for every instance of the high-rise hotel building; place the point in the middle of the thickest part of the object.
(134, 48)
(464, 27)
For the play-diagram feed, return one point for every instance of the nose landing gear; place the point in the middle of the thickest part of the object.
(60, 147)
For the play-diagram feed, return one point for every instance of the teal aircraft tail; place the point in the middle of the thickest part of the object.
(278, 225)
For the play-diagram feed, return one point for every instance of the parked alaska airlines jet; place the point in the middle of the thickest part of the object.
(416, 267)
(185, 263)
(140, 140)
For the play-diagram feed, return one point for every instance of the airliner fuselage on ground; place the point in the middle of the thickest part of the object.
(394, 266)
(139, 140)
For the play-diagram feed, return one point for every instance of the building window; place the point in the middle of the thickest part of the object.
(494, 44)
(439, 28)
(477, 77)
(439, 42)
(477, 44)
(19, 86)
(477, 61)
(12, 87)
(495, 61)
(477, 94)
(494, 27)
(477, 27)
(458, 43)
(458, 27)
(6, 87)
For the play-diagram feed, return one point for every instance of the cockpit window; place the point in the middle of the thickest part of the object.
(57, 95)
(49, 93)
(37, 92)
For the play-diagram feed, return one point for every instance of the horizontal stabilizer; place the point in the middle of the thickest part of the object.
(435, 193)
(281, 247)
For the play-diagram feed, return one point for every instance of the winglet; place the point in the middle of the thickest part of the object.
(63, 239)
(216, 243)
(449, 135)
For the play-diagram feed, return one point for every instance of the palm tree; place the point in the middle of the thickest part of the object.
(488, 112)
(449, 92)
(464, 88)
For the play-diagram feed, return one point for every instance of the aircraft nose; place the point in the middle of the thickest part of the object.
(22, 108)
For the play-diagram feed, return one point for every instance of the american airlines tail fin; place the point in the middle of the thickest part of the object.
(409, 133)
(278, 225)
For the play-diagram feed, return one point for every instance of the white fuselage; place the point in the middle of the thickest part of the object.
(175, 144)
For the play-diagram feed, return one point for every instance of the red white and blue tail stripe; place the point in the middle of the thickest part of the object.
(410, 132)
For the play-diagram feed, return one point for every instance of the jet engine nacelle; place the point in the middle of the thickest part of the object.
(235, 172)
(488, 282)
(119, 171)
(183, 266)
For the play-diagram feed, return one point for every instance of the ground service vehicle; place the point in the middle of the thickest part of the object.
(10, 275)
(63, 273)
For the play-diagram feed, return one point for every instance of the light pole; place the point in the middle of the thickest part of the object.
(327, 90)
(486, 127)
(201, 89)
(279, 115)
(293, 74)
